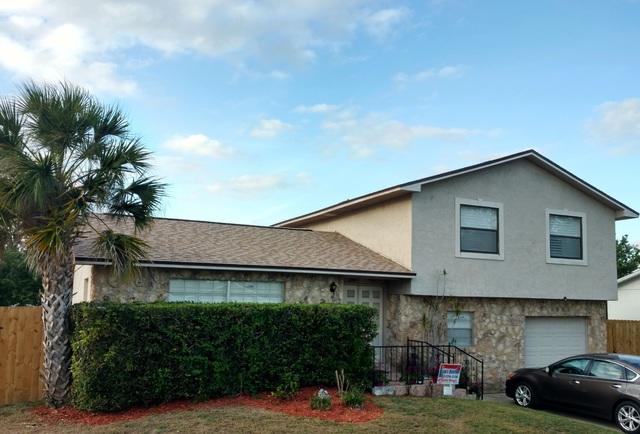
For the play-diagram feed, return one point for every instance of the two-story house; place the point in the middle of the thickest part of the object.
(513, 259)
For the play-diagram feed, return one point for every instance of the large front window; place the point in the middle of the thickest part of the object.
(218, 291)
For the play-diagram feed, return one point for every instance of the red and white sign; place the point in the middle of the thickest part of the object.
(449, 373)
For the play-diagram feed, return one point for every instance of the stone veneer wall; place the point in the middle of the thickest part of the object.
(498, 326)
(153, 284)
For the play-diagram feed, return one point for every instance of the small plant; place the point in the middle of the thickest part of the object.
(340, 382)
(353, 397)
(321, 401)
(288, 388)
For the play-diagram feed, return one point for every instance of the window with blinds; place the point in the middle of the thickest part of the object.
(460, 328)
(565, 236)
(218, 291)
(479, 229)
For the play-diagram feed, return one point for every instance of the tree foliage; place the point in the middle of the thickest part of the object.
(628, 256)
(18, 285)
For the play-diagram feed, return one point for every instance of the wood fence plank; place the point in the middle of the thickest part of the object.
(20, 354)
(623, 337)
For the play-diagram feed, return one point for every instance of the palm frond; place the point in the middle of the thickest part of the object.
(124, 251)
(47, 237)
(33, 184)
(10, 125)
(140, 199)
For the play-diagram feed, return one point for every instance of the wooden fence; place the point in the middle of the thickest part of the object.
(20, 354)
(623, 337)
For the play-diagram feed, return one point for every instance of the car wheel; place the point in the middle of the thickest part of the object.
(627, 417)
(524, 395)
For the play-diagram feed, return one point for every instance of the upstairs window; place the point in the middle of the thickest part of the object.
(479, 229)
(565, 236)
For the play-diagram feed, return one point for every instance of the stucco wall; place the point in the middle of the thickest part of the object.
(384, 228)
(82, 272)
(628, 304)
(525, 191)
(498, 326)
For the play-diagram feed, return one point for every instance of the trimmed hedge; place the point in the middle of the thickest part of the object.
(126, 355)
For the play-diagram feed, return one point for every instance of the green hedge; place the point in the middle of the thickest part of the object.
(126, 355)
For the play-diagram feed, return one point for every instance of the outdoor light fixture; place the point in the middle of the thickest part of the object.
(333, 287)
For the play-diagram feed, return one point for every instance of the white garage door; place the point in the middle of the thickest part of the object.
(549, 339)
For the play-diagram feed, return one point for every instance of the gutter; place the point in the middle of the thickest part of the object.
(256, 268)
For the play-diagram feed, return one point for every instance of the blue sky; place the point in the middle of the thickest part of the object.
(259, 111)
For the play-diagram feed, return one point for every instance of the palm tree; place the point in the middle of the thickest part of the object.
(65, 161)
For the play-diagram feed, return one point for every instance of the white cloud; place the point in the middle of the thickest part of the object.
(431, 73)
(269, 128)
(59, 53)
(253, 184)
(365, 134)
(198, 144)
(617, 125)
(382, 22)
(79, 40)
(316, 108)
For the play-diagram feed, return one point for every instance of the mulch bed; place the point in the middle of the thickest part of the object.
(298, 406)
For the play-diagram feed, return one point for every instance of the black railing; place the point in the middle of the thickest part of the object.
(418, 362)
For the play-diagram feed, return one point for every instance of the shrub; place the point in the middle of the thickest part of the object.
(353, 397)
(141, 354)
(321, 401)
(288, 388)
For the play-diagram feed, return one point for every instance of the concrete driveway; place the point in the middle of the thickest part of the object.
(503, 399)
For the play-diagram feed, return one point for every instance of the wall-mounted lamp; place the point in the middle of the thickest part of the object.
(333, 287)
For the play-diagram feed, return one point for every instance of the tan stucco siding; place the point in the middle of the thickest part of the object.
(628, 304)
(384, 228)
(82, 275)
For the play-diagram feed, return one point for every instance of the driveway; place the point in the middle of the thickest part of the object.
(503, 399)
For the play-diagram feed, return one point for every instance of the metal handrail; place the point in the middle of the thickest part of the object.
(408, 362)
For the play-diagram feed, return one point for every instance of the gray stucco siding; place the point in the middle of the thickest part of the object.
(526, 192)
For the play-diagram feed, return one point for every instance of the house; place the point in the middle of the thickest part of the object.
(512, 259)
(627, 306)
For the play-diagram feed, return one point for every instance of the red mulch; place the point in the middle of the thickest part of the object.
(299, 406)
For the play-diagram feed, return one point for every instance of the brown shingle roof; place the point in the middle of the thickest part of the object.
(174, 241)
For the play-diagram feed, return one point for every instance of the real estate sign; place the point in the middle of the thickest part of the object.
(449, 373)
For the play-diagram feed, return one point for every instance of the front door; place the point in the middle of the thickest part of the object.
(369, 295)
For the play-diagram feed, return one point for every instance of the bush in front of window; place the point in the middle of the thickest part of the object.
(127, 355)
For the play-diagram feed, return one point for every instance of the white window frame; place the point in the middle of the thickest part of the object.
(476, 255)
(227, 291)
(472, 328)
(566, 261)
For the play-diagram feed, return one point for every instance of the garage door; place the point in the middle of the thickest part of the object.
(547, 339)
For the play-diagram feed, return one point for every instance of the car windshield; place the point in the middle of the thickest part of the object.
(632, 360)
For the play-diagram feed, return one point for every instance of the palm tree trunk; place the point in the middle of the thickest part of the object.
(57, 283)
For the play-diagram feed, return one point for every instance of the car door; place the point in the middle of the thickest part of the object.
(565, 379)
(605, 384)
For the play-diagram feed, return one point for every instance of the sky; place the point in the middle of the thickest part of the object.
(258, 111)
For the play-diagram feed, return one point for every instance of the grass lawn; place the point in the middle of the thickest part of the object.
(404, 414)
